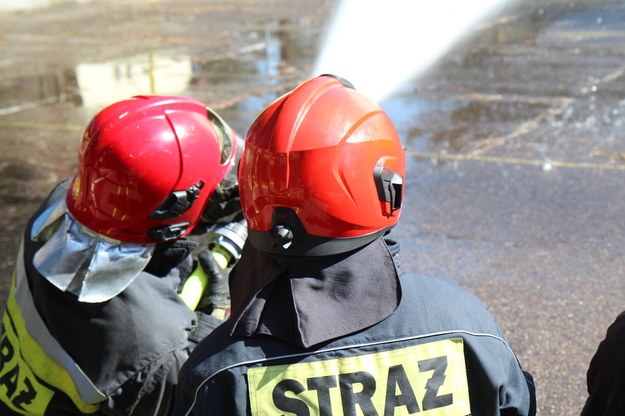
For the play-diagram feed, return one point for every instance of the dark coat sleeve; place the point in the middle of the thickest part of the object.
(606, 374)
(150, 391)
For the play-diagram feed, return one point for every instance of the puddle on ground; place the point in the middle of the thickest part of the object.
(20, 5)
(252, 74)
(515, 73)
(448, 120)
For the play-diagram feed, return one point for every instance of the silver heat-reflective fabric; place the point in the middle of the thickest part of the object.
(83, 262)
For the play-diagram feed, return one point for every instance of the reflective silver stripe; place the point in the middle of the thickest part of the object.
(366, 344)
(38, 331)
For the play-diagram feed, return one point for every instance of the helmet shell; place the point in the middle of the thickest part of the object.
(135, 153)
(314, 151)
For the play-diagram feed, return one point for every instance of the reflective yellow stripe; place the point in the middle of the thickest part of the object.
(32, 360)
(428, 379)
(19, 388)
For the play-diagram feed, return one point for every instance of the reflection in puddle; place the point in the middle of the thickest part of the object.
(28, 92)
(429, 123)
(244, 79)
(101, 84)
(14, 5)
(508, 64)
(278, 53)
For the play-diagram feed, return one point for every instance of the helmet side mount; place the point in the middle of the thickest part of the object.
(287, 230)
(177, 203)
(389, 185)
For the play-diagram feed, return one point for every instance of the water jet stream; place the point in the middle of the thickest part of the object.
(379, 45)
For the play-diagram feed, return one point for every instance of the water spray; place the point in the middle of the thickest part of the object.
(380, 45)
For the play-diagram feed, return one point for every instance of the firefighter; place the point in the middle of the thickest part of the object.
(323, 322)
(94, 323)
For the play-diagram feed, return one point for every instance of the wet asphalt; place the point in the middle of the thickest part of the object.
(515, 141)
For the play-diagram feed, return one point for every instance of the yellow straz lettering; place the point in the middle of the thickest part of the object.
(428, 379)
(19, 388)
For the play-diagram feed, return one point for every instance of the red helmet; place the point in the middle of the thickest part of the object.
(322, 171)
(147, 167)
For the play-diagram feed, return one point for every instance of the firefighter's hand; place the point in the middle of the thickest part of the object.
(223, 206)
(216, 300)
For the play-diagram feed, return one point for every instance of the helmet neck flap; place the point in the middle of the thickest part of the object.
(78, 260)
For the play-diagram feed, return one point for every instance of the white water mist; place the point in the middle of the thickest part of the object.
(378, 45)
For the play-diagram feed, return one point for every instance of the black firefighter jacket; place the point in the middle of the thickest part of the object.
(439, 353)
(61, 357)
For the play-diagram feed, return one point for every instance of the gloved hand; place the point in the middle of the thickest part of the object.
(224, 206)
(216, 299)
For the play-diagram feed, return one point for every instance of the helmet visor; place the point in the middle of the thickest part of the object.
(224, 133)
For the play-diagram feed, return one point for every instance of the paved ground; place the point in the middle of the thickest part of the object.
(515, 138)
